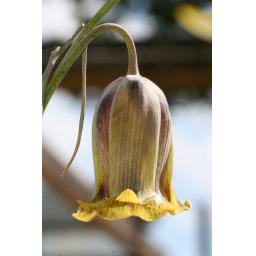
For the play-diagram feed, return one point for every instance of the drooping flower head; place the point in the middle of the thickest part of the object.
(132, 148)
(132, 151)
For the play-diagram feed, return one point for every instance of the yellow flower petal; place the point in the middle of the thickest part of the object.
(113, 208)
(84, 216)
(128, 196)
(188, 204)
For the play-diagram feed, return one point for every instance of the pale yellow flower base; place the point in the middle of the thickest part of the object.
(126, 205)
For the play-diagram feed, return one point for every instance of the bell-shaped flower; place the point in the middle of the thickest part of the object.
(133, 154)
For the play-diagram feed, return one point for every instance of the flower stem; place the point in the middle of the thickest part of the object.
(77, 47)
(133, 62)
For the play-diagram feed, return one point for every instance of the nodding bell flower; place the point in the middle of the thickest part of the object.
(132, 152)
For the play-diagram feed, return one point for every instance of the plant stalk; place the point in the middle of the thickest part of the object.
(132, 54)
(77, 47)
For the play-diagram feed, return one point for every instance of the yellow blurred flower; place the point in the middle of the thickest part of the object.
(195, 21)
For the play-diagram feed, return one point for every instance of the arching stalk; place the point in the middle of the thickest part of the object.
(132, 54)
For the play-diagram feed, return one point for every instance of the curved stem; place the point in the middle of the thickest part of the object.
(82, 113)
(132, 54)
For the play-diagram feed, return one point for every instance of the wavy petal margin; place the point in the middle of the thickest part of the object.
(127, 204)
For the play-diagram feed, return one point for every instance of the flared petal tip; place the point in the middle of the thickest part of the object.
(84, 216)
(188, 205)
(127, 204)
(180, 207)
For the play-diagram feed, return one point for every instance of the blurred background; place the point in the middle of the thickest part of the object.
(173, 41)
